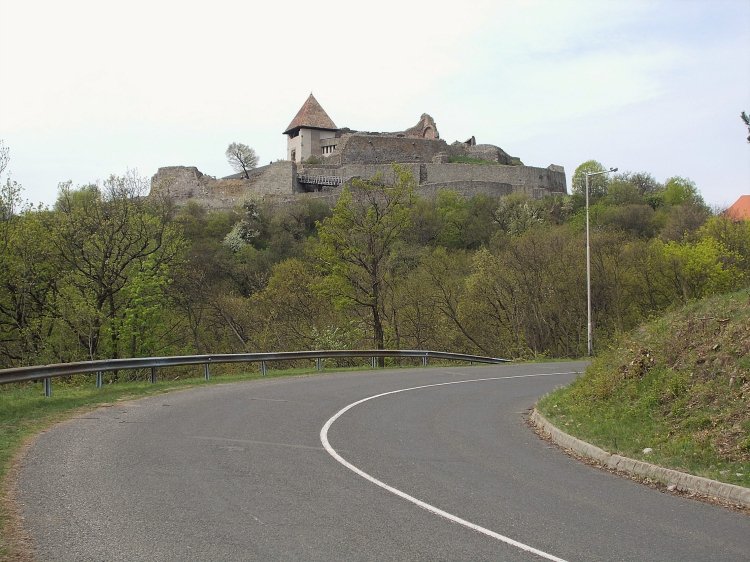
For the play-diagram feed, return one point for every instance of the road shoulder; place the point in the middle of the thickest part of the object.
(671, 480)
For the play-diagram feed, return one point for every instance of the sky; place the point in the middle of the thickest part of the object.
(90, 89)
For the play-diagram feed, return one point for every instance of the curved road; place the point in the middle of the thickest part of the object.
(240, 472)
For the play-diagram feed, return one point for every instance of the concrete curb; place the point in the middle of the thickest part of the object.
(681, 481)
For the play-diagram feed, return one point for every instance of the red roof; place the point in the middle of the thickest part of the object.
(740, 210)
(311, 116)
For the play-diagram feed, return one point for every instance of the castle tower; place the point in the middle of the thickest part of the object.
(311, 133)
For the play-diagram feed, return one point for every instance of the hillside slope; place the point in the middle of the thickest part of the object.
(679, 386)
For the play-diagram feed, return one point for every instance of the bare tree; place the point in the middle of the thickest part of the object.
(242, 158)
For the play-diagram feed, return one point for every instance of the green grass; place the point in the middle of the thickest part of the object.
(469, 160)
(679, 385)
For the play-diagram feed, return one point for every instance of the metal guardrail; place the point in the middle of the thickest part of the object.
(46, 372)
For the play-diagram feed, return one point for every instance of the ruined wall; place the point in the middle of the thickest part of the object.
(277, 182)
(469, 189)
(374, 149)
(425, 129)
(535, 182)
(362, 171)
(490, 153)
(467, 179)
(186, 183)
(277, 178)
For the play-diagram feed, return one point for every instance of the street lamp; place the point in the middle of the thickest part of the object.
(588, 260)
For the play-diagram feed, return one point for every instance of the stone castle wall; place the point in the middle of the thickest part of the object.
(363, 171)
(468, 179)
(535, 182)
(278, 181)
(187, 183)
(375, 149)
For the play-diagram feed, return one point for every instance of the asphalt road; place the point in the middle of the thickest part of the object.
(240, 472)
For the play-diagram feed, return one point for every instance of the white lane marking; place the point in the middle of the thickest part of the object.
(412, 499)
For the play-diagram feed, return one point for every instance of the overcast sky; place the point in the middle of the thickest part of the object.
(89, 89)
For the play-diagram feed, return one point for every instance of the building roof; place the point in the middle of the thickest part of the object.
(311, 116)
(740, 210)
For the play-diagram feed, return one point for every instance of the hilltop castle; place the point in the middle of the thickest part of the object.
(321, 158)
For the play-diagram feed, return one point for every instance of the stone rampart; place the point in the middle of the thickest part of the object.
(186, 183)
(277, 182)
(363, 171)
(375, 149)
(467, 179)
(535, 182)
(467, 188)
(489, 152)
(278, 178)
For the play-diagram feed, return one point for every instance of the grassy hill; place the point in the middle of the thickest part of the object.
(679, 385)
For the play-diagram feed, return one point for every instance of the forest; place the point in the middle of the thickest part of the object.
(111, 270)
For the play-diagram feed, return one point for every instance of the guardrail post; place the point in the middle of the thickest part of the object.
(98, 379)
(424, 361)
(374, 362)
(48, 387)
(208, 372)
(263, 368)
(320, 363)
(153, 375)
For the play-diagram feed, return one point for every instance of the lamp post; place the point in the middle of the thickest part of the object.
(588, 261)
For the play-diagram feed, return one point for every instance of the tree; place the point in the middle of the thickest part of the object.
(29, 274)
(242, 158)
(746, 120)
(597, 184)
(702, 268)
(358, 241)
(10, 191)
(114, 244)
(682, 191)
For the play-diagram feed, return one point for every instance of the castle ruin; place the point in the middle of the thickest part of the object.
(321, 158)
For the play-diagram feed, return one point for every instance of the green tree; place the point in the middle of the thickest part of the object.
(358, 241)
(598, 185)
(517, 213)
(681, 191)
(109, 238)
(453, 214)
(29, 274)
(295, 312)
(447, 273)
(702, 268)
(733, 235)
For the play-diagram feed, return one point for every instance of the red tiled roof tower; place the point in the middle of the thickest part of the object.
(311, 116)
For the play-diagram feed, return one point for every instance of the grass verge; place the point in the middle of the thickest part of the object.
(675, 392)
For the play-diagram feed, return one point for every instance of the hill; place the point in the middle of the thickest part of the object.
(674, 392)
